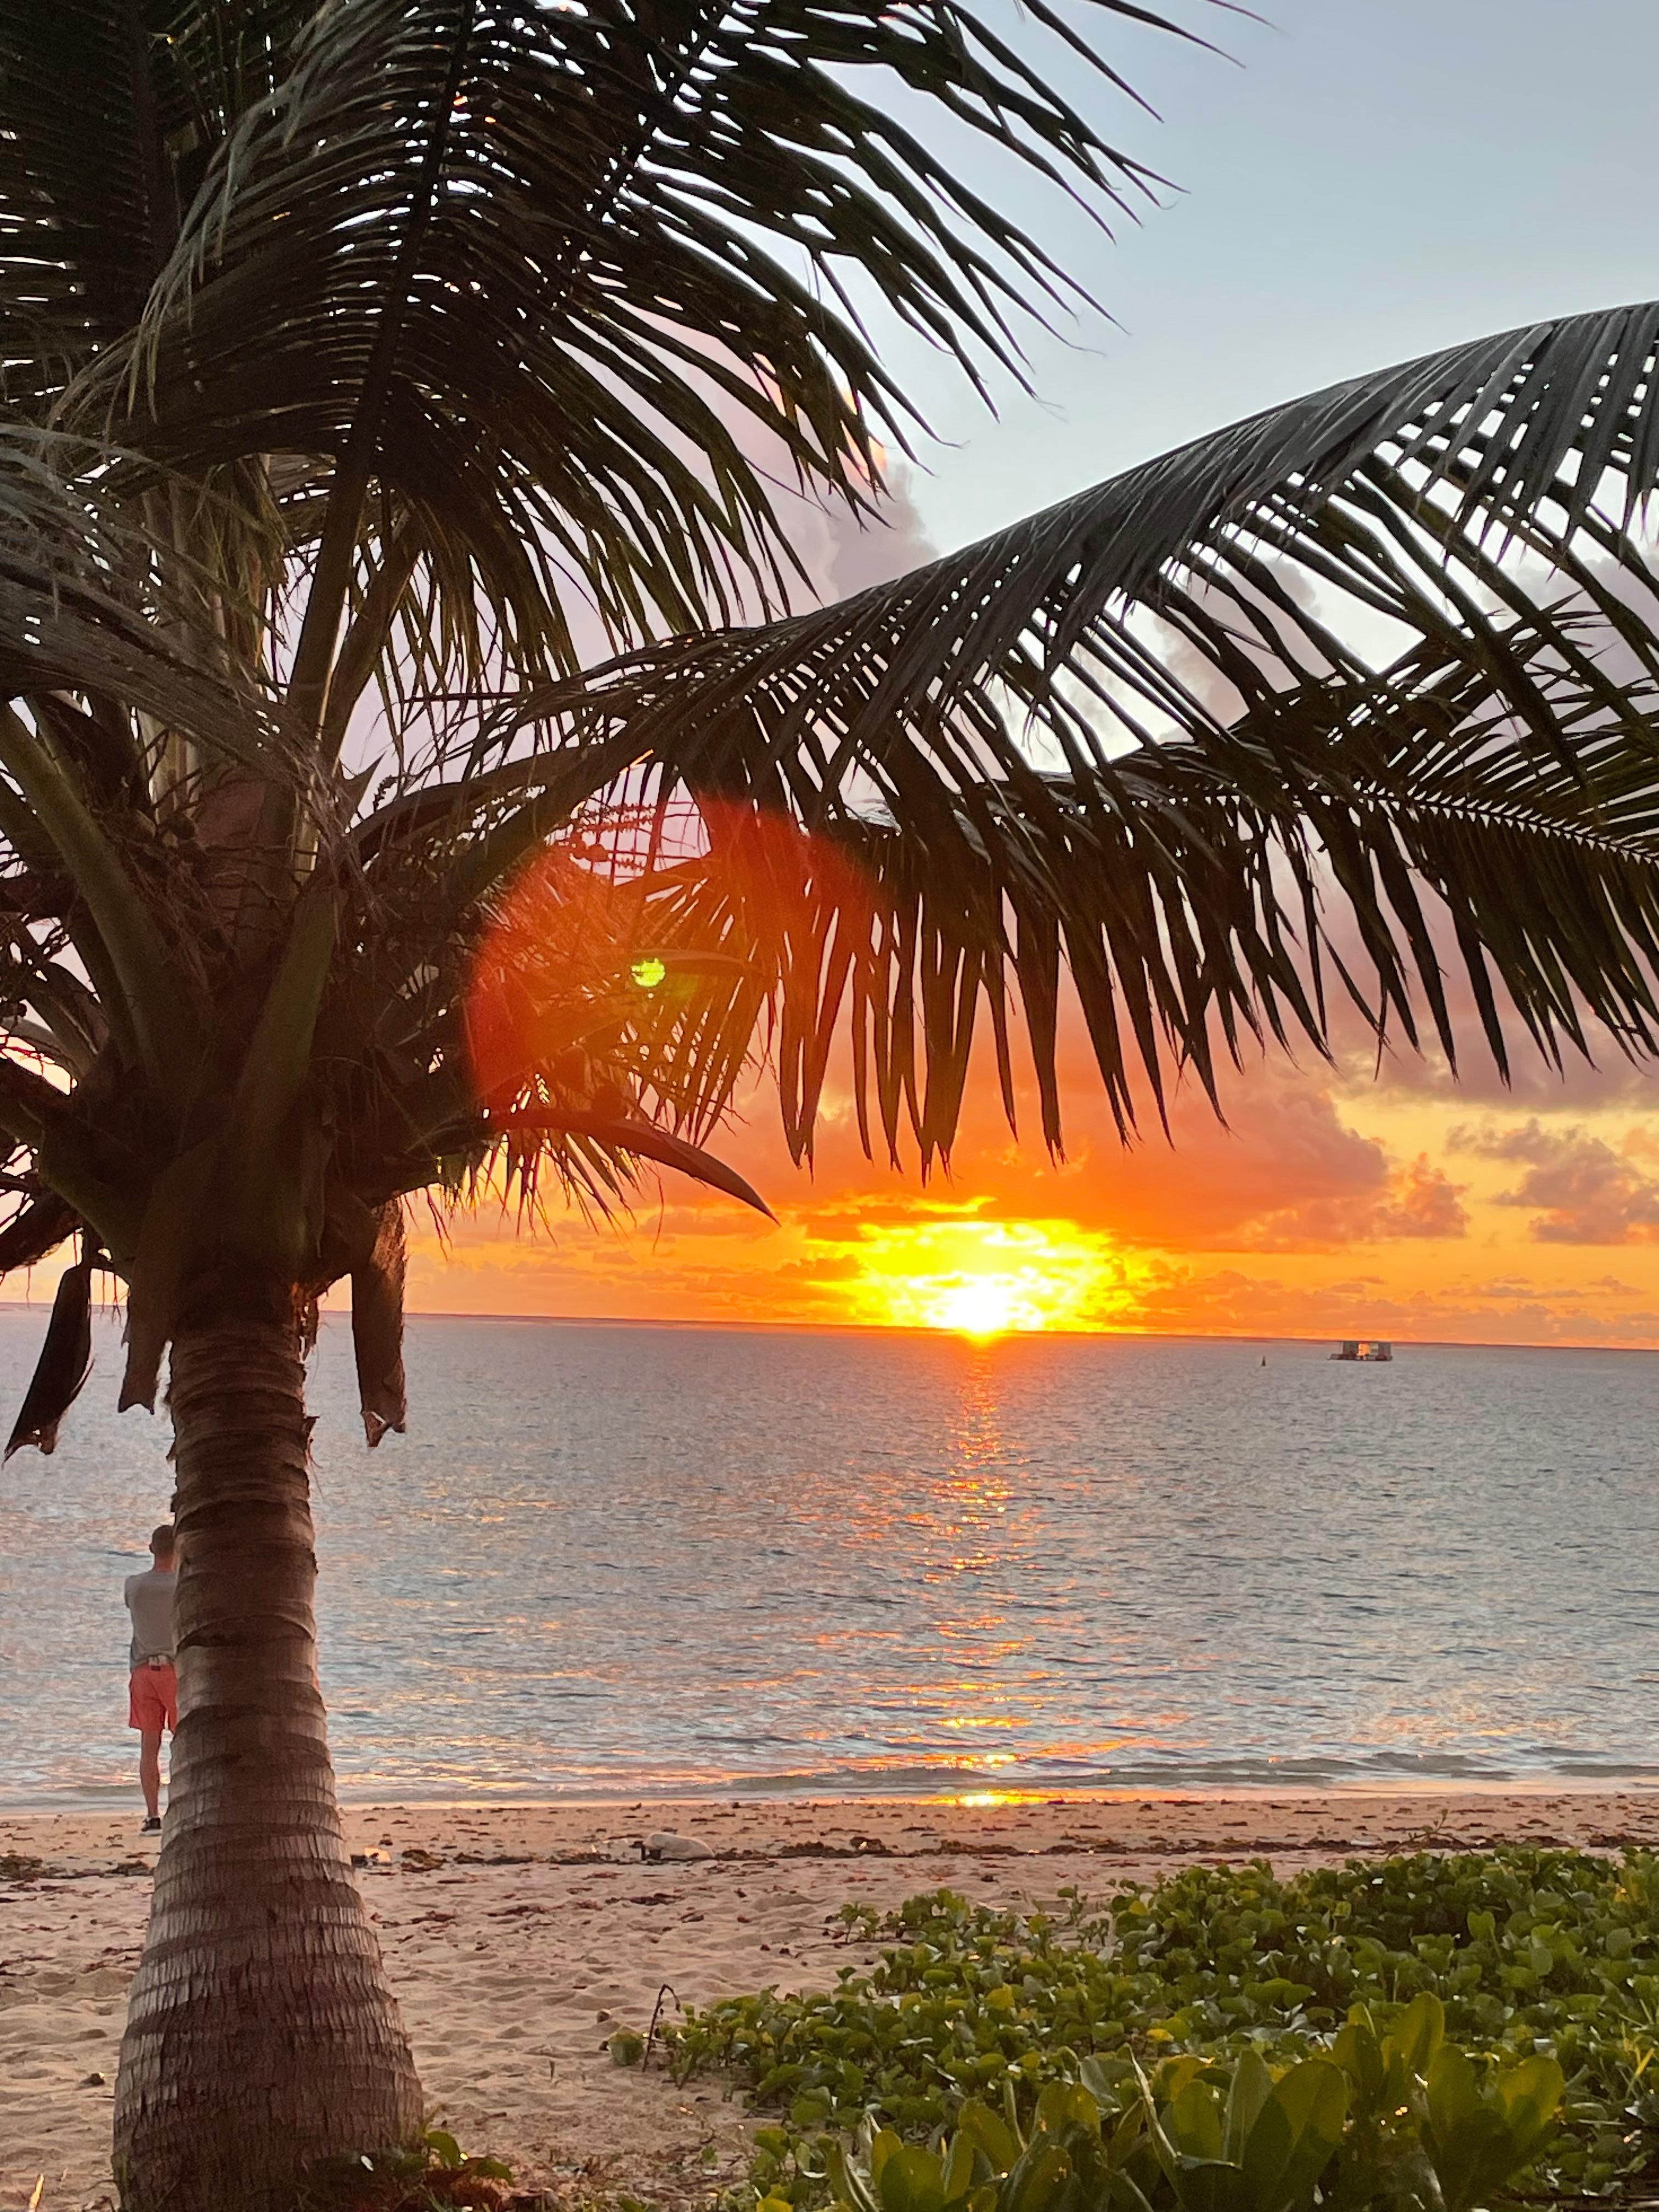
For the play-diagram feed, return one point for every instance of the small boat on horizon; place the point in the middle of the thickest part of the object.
(1370, 1350)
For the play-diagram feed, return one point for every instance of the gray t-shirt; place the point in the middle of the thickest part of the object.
(149, 1601)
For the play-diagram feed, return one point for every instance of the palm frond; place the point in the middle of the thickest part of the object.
(377, 1325)
(1147, 735)
(519, 266)
(84, 609)
(111, 671)
(110, 111)
(64, 1364)
(40, 1225)
(83, 230)
(624, 1139)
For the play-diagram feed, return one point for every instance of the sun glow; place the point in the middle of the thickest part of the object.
(988, 1307)
(985, 1279)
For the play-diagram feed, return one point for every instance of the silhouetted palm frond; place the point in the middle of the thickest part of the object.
(1393, 647)
(527, 270)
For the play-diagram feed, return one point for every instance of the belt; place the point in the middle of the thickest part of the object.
(155, 1662)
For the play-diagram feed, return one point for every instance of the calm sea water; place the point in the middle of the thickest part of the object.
(610, 1559)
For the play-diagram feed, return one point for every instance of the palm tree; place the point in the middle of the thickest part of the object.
(409, 776)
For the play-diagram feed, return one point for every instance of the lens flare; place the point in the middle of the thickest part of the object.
(604, 940)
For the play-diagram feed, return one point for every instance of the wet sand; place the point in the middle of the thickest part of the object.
(518, 1939)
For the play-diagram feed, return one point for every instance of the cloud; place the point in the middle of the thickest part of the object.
(840, 551)
(861, 555)
(1286, 1173)
(1193, 1300)
(1579, 1188)
(1426, 1203)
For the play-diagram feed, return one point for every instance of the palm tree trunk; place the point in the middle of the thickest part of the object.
(262, 2035)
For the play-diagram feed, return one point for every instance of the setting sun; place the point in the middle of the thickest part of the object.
(992, 1306)
(984, 1278)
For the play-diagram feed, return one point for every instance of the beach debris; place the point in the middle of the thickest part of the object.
(855, 1847)
(666, 1990)
(665, 1845)
(414, 1860)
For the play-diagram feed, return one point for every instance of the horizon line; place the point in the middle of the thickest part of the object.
(960, 1336)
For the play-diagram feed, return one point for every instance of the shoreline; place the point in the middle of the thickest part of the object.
(517, 1937)
(974, 1797)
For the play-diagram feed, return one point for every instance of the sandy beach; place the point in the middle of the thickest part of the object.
(518, 1939)
(521, 1939)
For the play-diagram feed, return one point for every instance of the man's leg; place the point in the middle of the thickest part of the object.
(149, 1770)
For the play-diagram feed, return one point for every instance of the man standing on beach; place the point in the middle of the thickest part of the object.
(153, 1691)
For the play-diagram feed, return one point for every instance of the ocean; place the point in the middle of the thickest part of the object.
(622, 1560)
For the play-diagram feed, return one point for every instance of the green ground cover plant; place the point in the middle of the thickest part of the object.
(434, 2174)
(1480, 2026)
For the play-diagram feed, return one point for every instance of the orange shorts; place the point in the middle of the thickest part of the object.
(153, 1700)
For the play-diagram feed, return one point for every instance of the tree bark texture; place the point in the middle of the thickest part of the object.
(262, 2036)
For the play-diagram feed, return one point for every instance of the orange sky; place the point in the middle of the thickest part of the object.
(1332, 1205)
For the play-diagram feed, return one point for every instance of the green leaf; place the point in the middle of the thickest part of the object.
(1193, 2120)
(1247, 2092)
(1530, 2095)
(1038, 2183)
(1295, 2135)
(989, 2132)
(1358, 2052)
(910, 2179)
(1418, 2034)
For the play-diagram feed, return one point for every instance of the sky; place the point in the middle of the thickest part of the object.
(1358, 180)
